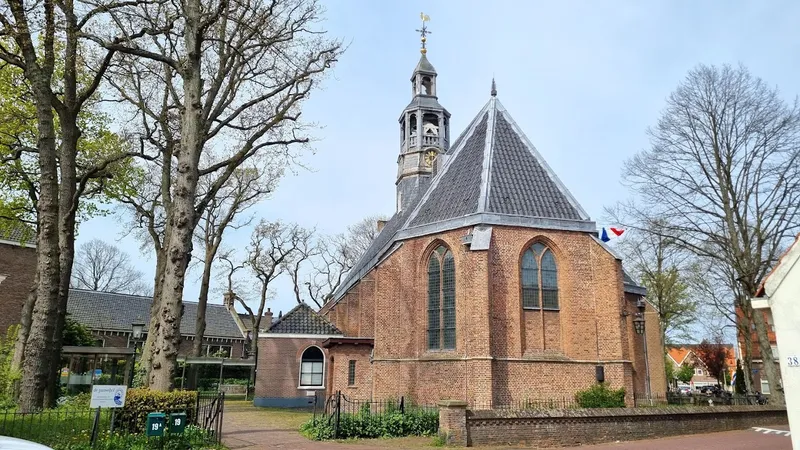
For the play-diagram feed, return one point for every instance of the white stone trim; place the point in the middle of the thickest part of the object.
(488, 147)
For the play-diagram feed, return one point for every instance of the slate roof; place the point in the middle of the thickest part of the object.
(303, 320)
(116, 312)
(17, 232)
(493, 175)
(424, 65)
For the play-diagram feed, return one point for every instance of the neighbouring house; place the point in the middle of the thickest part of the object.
(17, 269)
(779, 298)
(760, 382)
(489, 284)
(685, 355)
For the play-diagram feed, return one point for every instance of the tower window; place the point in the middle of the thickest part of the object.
(441, 300)
(427, 86)
(413, 123)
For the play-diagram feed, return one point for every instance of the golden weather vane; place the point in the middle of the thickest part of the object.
(424, 31)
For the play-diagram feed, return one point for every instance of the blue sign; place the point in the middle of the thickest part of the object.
(98, 372)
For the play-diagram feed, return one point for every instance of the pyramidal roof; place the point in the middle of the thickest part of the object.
(492, 175)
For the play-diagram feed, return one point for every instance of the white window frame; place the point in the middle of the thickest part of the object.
(300, 384)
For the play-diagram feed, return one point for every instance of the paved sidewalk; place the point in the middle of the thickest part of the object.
(248, 428)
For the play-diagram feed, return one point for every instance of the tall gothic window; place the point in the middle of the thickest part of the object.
(441, 300)
(539, 278)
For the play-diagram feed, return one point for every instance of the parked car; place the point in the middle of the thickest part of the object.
(10, 443)
(684, 390)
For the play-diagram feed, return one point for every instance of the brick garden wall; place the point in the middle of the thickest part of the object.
(566, 428)
(18, 264)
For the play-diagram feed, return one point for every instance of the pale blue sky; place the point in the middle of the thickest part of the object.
(583, 79)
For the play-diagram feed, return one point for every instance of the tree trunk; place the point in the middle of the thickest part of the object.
(776, 396)
(152, 325)
(36, 365)
(24, 326)
(181, 224)
(202, 302)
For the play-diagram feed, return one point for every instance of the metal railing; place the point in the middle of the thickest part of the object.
(339, 406)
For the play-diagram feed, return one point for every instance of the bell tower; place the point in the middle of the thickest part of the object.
(424, 130)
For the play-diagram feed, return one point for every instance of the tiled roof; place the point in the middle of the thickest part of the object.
(116, 312)
(17, 232)
(303, 320)
(493, 176)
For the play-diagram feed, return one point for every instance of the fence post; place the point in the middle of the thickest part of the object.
(94, 427)
(338, 414)
(402, 404)
(453, 422)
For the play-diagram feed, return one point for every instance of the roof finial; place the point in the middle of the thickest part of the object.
(494, 88)
(424, 32)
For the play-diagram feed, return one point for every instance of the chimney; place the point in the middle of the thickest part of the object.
(381, 224)
(227, 299)
(266, 322)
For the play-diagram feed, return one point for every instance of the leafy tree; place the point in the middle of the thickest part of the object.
(713, 355)
(739, 385)
(685, 373)
(723, 174)
(77, 334)
(669, 369)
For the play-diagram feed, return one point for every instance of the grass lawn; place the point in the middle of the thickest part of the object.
(290, 419)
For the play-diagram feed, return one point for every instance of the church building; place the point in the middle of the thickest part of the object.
(489, 284)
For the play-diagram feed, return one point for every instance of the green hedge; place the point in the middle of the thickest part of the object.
(601, 396)
(416, 422)
(140, 402)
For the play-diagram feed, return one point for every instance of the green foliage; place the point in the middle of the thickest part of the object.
(76, 401)
(77, 334)
(440, 440)
(741, 385)
(8, 376)
(140, 402)
(601, 396)
(193, 438)
(685, 373)
(415, 422)
(669, 369)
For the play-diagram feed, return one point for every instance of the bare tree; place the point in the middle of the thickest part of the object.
(100, 266)
(323, 264)
(237, 86)
(361, 234)
(244, 189)
(724, 174)
(663, 268)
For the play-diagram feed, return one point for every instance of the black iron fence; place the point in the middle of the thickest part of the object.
(669, 399)
(76, 425)
(344, 413)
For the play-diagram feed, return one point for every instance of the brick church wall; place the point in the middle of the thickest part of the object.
(500, 347)
(341, 355)
(18, 264)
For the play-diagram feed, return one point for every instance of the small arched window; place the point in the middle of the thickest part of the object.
(441, 300)
(312, 367)
(539, 278)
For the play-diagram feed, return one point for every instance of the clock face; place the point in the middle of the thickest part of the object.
(430, 156)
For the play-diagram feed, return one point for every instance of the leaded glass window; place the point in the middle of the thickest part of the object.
(539, 278)
(312, 367)
(441, 300)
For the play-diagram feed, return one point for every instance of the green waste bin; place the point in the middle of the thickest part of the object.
(177, 423)
(155, 424)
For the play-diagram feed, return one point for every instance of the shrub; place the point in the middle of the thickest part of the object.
(193, 437)
(601, 396)
(415, 422)
(140, 402)
(75, 401)
(8, 376)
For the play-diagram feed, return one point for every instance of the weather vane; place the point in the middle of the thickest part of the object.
(424, 32)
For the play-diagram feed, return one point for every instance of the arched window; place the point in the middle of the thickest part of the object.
(312, 367)
(441, 300)
(539, 278)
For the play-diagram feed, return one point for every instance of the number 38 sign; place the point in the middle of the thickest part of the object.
(793, 361)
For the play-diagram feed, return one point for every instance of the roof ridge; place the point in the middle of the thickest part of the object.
(283, 317)
(436, 179)
(540, 159)
(144, 297)
(488, 148)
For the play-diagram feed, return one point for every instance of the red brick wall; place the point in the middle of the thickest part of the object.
(279, 366)
(499, 347)
(341, 356)
(18, 264)
(559, 428)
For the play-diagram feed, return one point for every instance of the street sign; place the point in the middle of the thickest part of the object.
(110, 396)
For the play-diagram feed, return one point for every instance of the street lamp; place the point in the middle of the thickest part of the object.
(137, 328)
(638, 326)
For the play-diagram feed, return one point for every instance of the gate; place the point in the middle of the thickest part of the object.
(210, 410)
